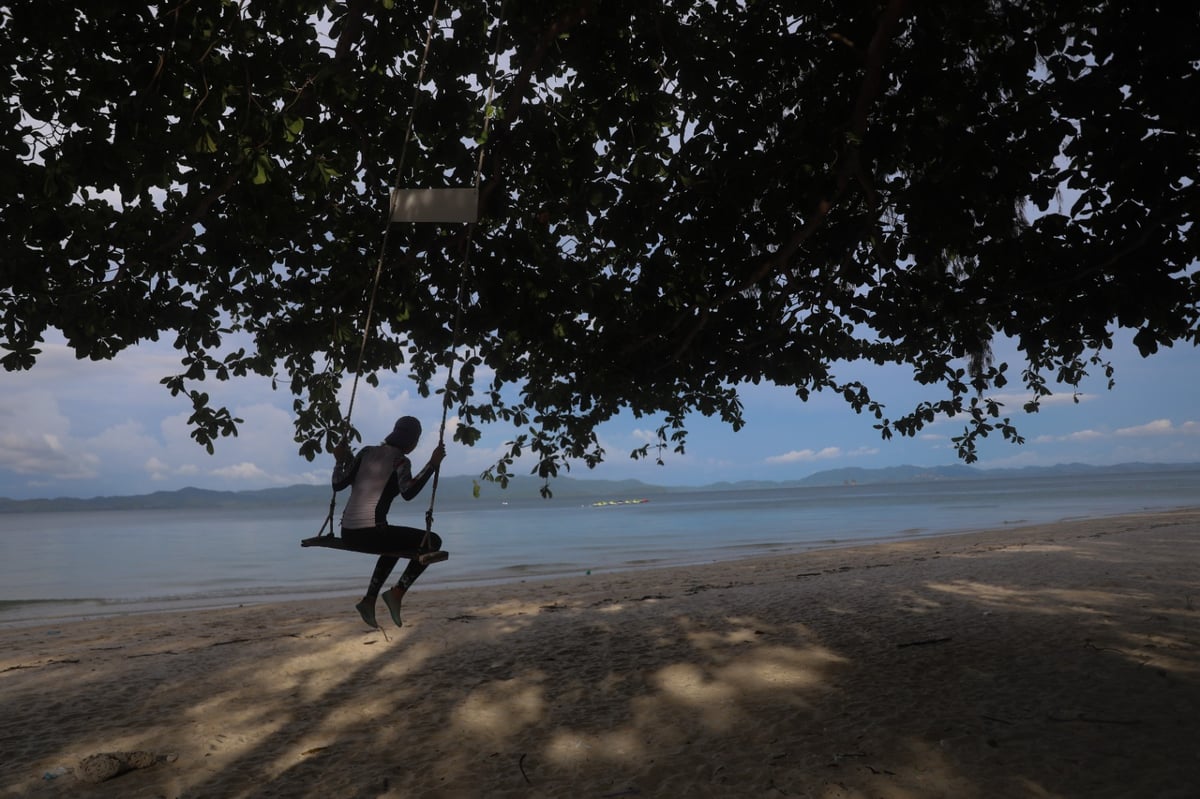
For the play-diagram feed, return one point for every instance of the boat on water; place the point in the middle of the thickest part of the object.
(608, 503)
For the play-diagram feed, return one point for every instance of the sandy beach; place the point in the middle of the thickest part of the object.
(1048, 661)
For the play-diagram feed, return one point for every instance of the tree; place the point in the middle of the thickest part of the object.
(676, 199)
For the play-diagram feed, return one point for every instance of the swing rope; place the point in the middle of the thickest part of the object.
(460, 298)
(464, 272)
(368, 319)
(387, 227)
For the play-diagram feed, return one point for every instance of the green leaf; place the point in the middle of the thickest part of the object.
(720, 206)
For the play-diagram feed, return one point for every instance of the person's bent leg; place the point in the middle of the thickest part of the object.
(415, 569)
(383, 570)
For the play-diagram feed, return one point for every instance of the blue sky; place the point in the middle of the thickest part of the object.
(79, 428)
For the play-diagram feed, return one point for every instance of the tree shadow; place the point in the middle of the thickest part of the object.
(1059, 669)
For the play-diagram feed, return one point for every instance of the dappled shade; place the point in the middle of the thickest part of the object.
(1048, 661)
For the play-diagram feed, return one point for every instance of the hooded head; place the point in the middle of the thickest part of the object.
(405, 434)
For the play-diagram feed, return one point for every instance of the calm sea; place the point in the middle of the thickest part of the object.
(74, 565)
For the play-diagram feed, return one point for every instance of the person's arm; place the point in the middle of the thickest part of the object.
(410, 484)
(346, 468)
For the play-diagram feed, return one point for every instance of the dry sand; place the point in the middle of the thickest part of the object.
(1049, 661)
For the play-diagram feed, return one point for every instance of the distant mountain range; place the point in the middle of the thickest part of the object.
(459, 491)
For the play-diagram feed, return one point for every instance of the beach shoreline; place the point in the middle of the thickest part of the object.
(1051, 660)
(70, 609)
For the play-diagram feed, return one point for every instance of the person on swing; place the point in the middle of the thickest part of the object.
(376, 476)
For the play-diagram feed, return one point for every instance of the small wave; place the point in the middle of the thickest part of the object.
(15, 604)
(261, 592)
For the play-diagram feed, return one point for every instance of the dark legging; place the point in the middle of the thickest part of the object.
(392, 538)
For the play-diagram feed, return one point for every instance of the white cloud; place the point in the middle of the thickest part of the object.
(89, 430)
(241, 471)
(1018, 401)
(828, 453)
(644, 436)
(863, 452)
(34, 439)
(1027, 457)
(805, 455)
(125, 437)
(313, 477)
(156, 469)
(1159, 427)
(1155, 429)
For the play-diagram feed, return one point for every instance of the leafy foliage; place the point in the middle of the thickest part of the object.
(677, 199)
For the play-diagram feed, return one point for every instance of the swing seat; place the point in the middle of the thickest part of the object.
(435, 205)
(331, 541)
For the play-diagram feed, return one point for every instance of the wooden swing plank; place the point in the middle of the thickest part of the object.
(336, 542)
(435, 205)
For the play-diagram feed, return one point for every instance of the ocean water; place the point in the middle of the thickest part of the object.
(85, 564)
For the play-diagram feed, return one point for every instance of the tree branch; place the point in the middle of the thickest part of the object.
(512, 100)
(514, 95)
(186, 228)
(851, 168)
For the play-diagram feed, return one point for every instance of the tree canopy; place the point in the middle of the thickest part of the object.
(677, 199)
